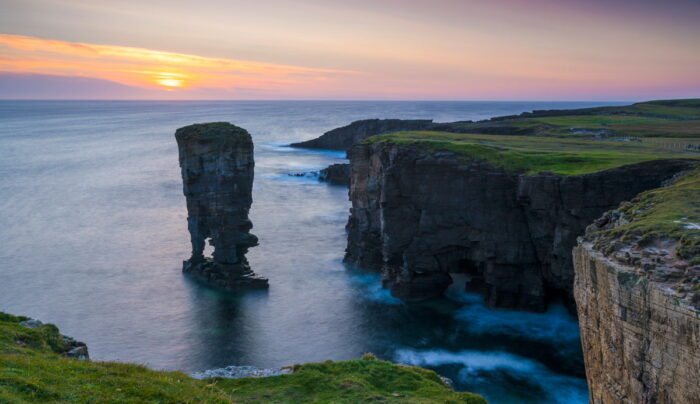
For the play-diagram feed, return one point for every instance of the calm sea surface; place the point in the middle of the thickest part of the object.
(93, 233)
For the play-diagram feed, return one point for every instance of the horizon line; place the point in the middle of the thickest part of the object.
(342, 100)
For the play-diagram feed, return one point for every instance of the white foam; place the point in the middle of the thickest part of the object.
(555, 325)
(371, 287)
(480, 368)
(471, 360)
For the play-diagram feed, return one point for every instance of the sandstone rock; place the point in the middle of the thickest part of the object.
(637, 288)
(641, 343)
(418, 216)
(217, 166)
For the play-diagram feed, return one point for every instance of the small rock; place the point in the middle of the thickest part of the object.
(79, 352)
(338, 174)
(447, 381)
(31, 323)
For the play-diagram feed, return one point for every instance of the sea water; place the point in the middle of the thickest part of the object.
(93, 234)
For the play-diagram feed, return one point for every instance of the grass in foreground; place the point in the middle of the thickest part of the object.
(532, 154)
(32, 371)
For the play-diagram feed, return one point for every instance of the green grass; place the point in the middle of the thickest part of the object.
(595, 121)
(216, 134)
(666, 213)
(532, 154)
(664, 118)
(359, 381)
(32, 371)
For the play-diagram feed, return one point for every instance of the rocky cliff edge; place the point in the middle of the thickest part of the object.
(637, 291)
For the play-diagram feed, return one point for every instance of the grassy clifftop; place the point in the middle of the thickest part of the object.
(569, 142)
(666, 214)
(32, 371)
(658, 234)
(532, 154)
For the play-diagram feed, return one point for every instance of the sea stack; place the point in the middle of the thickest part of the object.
(216, 160)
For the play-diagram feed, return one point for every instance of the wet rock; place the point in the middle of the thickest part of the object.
(305, 174)
(75, 349)
(338, 174)
(216, 161)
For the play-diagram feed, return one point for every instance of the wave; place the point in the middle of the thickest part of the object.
(370, 286)
(554, 326)
(519, 379)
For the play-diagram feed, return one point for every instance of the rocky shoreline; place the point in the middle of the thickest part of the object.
(71, 349)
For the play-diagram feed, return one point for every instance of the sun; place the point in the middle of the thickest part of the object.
(169, 80)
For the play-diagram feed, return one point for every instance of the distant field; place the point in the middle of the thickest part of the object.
(670, 118)
(532, 154)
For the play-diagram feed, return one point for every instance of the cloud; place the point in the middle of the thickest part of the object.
(455, 65)
(155, 70)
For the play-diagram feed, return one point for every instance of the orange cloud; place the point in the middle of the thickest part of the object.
(150, 68)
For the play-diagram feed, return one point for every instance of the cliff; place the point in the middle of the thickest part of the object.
(344, 137)
(35, 369)
(420, 213)
(637, 291)
(216, 160)
(677, 119)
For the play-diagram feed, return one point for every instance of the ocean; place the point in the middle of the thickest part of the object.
(93, 234)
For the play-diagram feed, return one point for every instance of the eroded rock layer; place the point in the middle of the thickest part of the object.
(418, 216)
(641, 343)
(217, 166)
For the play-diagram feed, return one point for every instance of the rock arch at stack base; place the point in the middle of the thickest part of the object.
(217, 165)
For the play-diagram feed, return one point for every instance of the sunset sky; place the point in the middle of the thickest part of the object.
(362, 49)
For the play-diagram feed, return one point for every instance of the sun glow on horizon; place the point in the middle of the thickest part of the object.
(170, 80)
(157, 70)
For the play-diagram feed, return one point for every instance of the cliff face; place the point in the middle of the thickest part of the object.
(641, 344)
(418, 216)
(217, 165)
(344, 137)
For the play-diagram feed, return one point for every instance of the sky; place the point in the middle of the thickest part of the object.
(621, 50)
